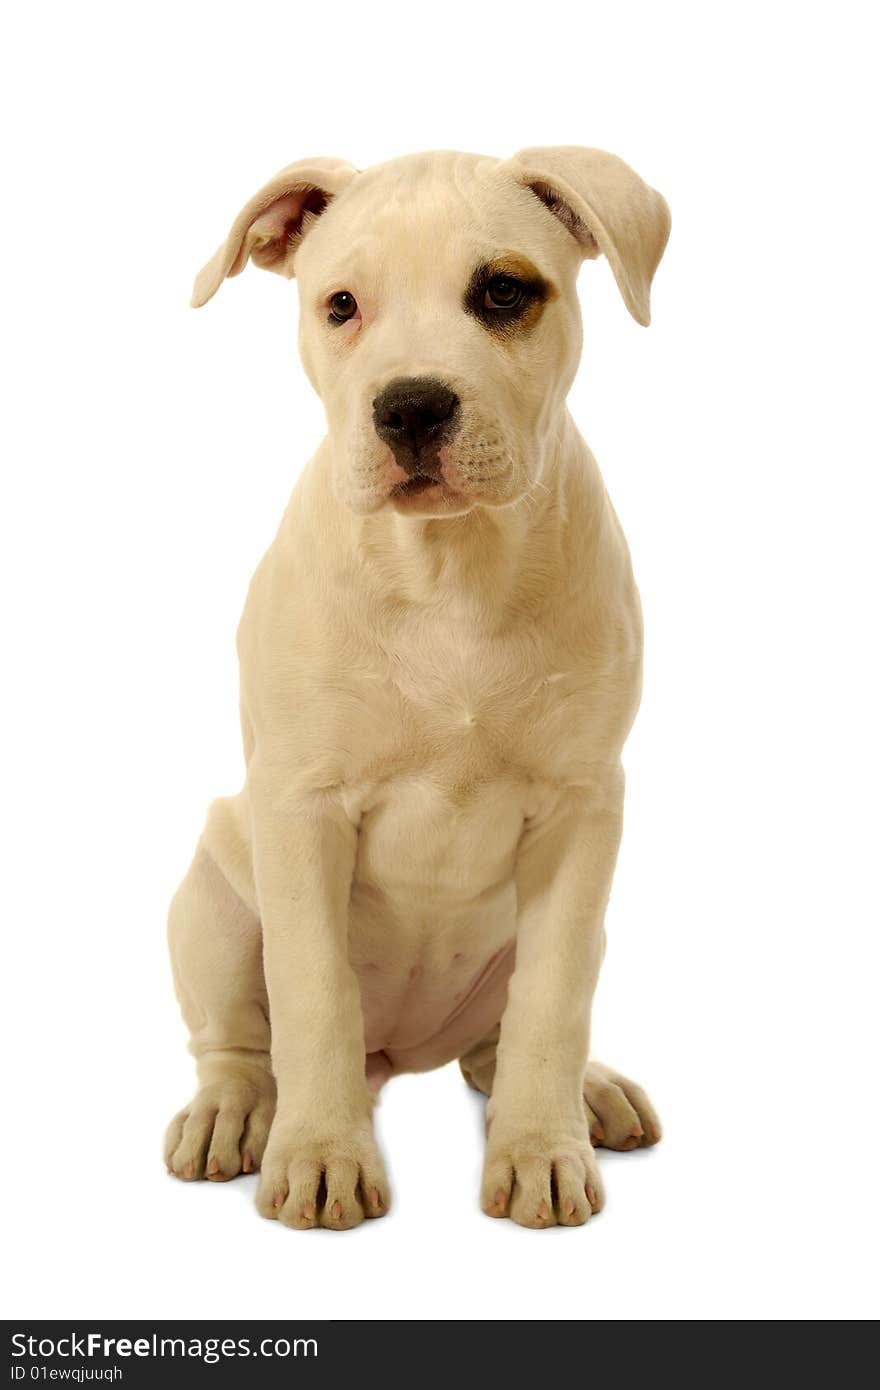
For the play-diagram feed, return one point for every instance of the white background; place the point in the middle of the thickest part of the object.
(149, 455)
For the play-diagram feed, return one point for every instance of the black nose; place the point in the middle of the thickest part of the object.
(413, 412)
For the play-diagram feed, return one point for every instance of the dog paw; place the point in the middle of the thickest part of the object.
(541, 1179)
(223, 1132)
(619, 1113)
(331, 1181)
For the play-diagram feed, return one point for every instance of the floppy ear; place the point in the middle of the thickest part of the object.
(607, 208)
(271, 226)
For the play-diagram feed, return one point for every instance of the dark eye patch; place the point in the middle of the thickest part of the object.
(525, 308)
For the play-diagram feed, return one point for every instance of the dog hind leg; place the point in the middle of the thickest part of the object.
(620, 1114)
(216, 953)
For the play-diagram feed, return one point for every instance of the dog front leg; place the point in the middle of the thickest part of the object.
(540, 1166)
(321, 1165)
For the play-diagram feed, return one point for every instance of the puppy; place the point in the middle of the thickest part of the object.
(440, 661)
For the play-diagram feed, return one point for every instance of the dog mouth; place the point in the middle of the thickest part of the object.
(427, 494)
(418, 483)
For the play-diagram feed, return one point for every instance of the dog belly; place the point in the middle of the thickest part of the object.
(433, 922)
(434, 986)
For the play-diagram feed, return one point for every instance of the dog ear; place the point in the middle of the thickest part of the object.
(607, 208)
(272, 224)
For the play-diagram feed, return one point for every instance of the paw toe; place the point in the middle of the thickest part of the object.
(532, 1203)
(342, 1208)
(497, 1185)
(569, 1181)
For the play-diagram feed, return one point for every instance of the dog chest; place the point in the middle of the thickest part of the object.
(425, 838)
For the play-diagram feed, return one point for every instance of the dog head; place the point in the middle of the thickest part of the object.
(439, 316)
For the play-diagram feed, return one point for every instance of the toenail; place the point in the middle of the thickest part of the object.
(214, 1166)
(543, 1212)
(569, 1206)
(598, 1133)
(189, 1171)
(247, 1163)
(278, 1200)
(591, 1195)
(501, 1199)
(375, 1199)
(336, 1211)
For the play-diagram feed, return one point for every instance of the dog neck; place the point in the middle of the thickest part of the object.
(489, 563)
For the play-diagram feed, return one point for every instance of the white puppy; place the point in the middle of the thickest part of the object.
(440, 662)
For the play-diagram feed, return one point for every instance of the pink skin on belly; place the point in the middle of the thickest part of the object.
(398, 1044)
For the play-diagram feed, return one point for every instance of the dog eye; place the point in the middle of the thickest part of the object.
(343, 306)
(503, 292)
